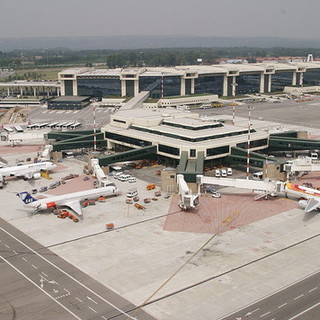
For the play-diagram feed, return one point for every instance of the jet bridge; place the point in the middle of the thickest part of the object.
(102, 179)
(302, 165)
(266, 187)
(187, 199)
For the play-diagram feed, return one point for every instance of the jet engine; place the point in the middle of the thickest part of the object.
(37, 175)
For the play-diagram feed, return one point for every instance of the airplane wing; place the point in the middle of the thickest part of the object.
(313, 204)
(75, 206)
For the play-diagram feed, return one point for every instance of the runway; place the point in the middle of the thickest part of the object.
(299, 301)
(34, 278)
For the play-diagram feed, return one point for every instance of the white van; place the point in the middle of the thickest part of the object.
(223, 173)
(132, 193)
(217, 173)
(229, 171)
(124, 177)
(257, 175)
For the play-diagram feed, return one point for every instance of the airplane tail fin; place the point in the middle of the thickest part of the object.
(26, 197)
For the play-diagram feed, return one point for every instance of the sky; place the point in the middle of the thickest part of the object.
(215, 18)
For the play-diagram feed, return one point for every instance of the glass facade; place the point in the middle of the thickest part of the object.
(248, 83)
(129, 140)
(68, 87)
(171, 85)
(169, 150)
(183, 137)
(311, 78)
(99, 87)
(184, 126)
(253, 144)
(209, 84)
(217, 151)
(280, 80)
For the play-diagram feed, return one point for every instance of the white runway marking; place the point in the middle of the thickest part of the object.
(11, 265)
(68, 275)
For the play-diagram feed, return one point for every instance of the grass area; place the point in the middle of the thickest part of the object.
(34, 74)
(189, 96)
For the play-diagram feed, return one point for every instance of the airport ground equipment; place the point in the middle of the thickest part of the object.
(2, 181)
(187, 199)
(45, 155)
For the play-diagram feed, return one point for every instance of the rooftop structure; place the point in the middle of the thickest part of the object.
(227, 79)
(175, 132)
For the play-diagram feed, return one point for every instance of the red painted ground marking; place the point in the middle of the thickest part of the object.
(209, 215)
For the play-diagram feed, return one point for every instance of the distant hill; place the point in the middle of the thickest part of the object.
(156, 41)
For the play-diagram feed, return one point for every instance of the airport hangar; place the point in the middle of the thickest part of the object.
(220, 79)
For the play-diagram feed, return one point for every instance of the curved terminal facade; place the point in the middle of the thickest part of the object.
(221, 79)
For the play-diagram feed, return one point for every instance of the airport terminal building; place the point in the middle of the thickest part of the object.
(220, 79)
(175, 132)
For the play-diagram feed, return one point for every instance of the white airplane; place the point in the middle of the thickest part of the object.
(311, 197)
(71, 200)
(27, 171)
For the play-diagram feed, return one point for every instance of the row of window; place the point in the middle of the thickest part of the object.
(198, 139)
(182, 126)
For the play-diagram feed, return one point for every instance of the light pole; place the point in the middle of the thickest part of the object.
(248, 142)
(234, 85)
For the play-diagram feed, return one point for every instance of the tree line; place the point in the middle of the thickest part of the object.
(18, 59)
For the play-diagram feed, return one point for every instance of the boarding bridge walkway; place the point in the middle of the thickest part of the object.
(136, 102)
(268, 187)
(305, 164)
(239, 156)
(135, 154)
(189, 168)
(278, 143)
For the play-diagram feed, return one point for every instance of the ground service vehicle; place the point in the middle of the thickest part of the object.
(151, 186)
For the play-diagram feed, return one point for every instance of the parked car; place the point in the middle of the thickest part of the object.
(132, 193)
(217, 173)
(216, 194)
(229, 171)
(132, 179)
(223, 173)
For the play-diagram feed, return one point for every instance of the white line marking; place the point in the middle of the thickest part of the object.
(15, 252)
(11, 265)
(302, 312)
(44, 274)
(68, 275)
(6, 245)
(265, 314)
(103, 317)
(315, 288)
(23, 258)
(89, 298)
(93, 310)
(34, 266)
(298, 297)
(282, 305)
(79, 299)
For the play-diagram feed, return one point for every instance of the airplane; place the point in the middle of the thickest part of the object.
(309, 198)
(71, 200)
(27, 171)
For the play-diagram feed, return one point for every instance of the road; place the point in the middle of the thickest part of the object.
(37, 284)
(287, 112)
(300, 301)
